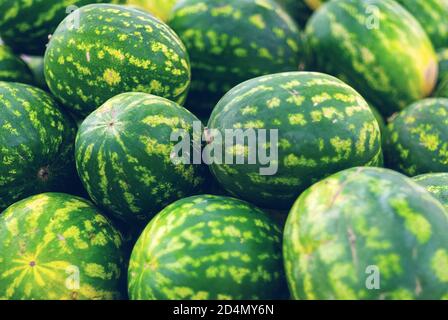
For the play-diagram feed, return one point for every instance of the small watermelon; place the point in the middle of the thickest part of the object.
(116, 49)
(159, 8)
(323, 126)
(417, 142)
(367, 233)
(377, 47)
(433, 17)
(208, 248)
(124, 156)
(301, 10)
(36, 144)
(442, 86)
(436, 184)
(231, 41)
(26, 25)
(12, 68)
(54, 246)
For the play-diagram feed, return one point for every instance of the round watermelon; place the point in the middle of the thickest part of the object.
(377, 47)
(322, 126)
(54, 246)
(36, 144)
(436, 184)
(417, 141)
(208, 248)
(301, 10)
(124, 156)
(115, 49)
(159, 8)
(367, 233)
(12, 68)
(231, 41)
(433, 17)
(442, 86)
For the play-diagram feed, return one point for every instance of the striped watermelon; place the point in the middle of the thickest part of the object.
(418, 138)
(230, 41)
(367, 233)
(208, 247)
(159, 8)
(25, 25)
(324, 126)
(301, 10)
(436, 184)
(124, 156)
(12, 68)
(377, 47)
(54, 246)
(442, 86)
(36, 144)
(433, 17)
(116, 49)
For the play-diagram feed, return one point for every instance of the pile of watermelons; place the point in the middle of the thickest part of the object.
(346, 100)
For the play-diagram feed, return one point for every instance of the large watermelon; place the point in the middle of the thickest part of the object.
(377, 47)
(436, 184)
(301, 10)
(36, 144)
(433, 17)
(26, 25)
(159, 8)
(230, 41)
(116, 49)
(12, 68)
(54, 246)
(367, 233)
(323, 126)
(418, 138)
(208, 247)
(124, 156)
(442, 86)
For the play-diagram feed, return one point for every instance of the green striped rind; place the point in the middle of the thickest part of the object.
(123, 156)
(436, 184)
(48, 240)
(231, 41)
(365, 219)
(391, 63)
(36, 144)
(116, 49)
(324, 126)
(442, 86)
(301, 10)
(432, 15)
(26, 25)
(12, 68)
(418, 138)
(208, 247)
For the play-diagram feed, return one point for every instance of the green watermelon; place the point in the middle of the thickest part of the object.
(436, 184)
(324, 126)
(25, 25)
(377, 47)
(442, 86)
(367, 233)
(208, 248)
(230, 41)
(54, 246)
(433, 17)
(12, 68)
(301, 10)
(116, 49)
(124, 156)
(418, 138)
(36, 144)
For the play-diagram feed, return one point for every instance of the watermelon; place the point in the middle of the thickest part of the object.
(208, 247)
(301, 10)
(116, 49)
(124, 157)
(367, 233)
(377, 47)
(323, 126)
(37, 143)
(159, 8)
(12, 68)
(54, 246)
(433, 17)
(26, 25)
(436, 184)
(418, 138)
(230, 41)
(442, 86)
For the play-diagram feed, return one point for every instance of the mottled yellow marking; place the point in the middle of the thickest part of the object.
(111, 76)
